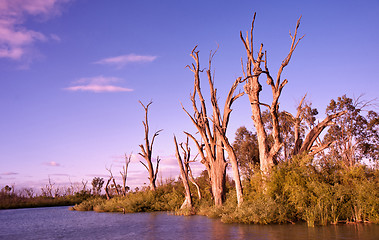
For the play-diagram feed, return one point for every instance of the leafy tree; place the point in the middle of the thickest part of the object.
(355, 134)
(97, 184)
(246, 148)
(286, 133)
(6, 190)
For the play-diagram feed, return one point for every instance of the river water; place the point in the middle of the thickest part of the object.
(60, 223)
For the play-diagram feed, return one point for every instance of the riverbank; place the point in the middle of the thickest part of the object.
(13, 201)
(294, 192)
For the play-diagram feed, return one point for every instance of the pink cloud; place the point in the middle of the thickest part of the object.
(99, 88)
(122, 60)
(52, 164)
(14, 37)
(98, 84)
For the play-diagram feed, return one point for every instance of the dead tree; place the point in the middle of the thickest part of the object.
(107, 188)
(253, 88)
(186, 160)
(213, 136)
(147, 150)
(307, 145)
(107, 193)
(187, 156)
(184, 174)
(124, 173)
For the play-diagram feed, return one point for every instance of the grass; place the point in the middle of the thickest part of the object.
(12, 201)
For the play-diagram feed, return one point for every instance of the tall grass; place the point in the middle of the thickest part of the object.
(296, 191)
(11, 201)
(167, 197)
(301, 191)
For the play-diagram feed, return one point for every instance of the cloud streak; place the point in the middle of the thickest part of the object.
(9, 173)
(15, 39)
(120, 61)
(97, 84)
(52, 164)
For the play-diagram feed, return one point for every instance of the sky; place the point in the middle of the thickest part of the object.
(72, 73)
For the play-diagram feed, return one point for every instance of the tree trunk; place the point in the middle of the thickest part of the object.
(253, 88)
(107, 188)
(147, 149)
(194, 182)
(152, 179)
(213, 136)
(184, 173)
(124, 173)
(236, 174)
(314, 133)
(218, 178)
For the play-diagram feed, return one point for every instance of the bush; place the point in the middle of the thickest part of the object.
(298, 190)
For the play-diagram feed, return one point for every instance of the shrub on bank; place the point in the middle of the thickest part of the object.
(167, 197)
(11, 201)
(295, 191)
(300, 191)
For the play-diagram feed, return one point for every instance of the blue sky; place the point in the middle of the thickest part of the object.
(72, 72)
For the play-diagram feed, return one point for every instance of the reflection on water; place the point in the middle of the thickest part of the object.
(60, 223)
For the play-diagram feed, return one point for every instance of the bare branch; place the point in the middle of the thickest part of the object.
(292, 49)
(144, 165)
(199, 147)
(316, 149)
(155, 134)
(316, 131)
(156, 168)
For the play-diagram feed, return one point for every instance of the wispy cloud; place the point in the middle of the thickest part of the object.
(98, 84)
(52, 164)
(9, 173)
(120, 61)
(60, 174)
(55, 37)
(15, 38)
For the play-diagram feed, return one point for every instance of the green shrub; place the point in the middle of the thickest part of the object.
(297, 190)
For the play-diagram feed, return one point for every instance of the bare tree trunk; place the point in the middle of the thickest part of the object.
(192, 179)
(218, 177)
(115, 186)
(213, 138)
(184, 173)
(187, 159)
(107, 188)
(111, 178)
(124, 173)
(147, 150)
(314, 133)
(236, 174)
(253, 88)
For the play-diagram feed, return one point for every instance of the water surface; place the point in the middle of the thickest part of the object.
(60, 223)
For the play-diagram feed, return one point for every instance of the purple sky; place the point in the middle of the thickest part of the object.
(72, 73)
